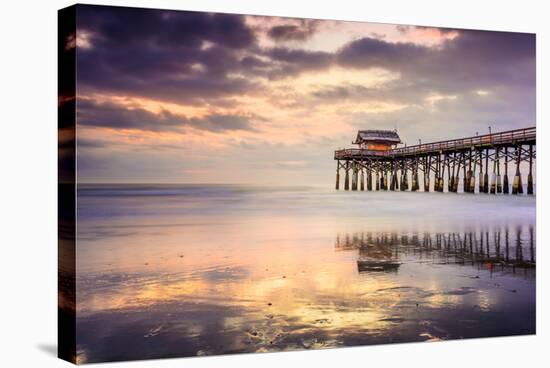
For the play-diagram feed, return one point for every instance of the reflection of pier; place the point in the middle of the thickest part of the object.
(491, 249)
(453, 163)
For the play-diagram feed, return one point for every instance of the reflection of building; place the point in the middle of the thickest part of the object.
(504, 250)
(375, 256)
(368, 265)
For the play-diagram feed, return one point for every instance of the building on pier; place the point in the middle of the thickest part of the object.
(377, 140)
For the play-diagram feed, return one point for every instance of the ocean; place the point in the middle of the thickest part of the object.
(187, 270)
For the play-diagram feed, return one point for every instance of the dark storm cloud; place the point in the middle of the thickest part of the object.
(110, 115)
(169, 55)
(195, 58)
(372, 52)
(122, 26)
(291, 62)
(293, 32)
(184, 57)
(473, 57)
(350, 91)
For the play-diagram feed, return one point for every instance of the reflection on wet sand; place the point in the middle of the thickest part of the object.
(381, 251)
(396, 288)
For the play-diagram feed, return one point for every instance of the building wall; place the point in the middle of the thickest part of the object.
(376, 146)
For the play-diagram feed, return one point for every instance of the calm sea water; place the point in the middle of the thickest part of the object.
(186, 270)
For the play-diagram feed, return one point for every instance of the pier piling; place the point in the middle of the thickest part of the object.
(505, 185)
(481, 176)
(530, 175)
(427, 170)
(354, 178)
(338, 175)
(517, 185)
(457, 175)
(469, 174)
(499, 182)
(494, 175)
(346, 177)
(369, 180)
(486, 176)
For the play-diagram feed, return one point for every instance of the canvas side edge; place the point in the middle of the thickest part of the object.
(66, 78)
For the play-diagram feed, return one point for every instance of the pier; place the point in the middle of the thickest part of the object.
(487, 163)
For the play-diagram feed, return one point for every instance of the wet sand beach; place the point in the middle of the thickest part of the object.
(186, 270)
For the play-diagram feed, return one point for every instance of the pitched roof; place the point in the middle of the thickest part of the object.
(389, 136)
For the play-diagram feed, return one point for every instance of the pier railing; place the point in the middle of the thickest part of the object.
(511, 137)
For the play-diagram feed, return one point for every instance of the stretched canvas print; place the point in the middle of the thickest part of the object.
(236, 183)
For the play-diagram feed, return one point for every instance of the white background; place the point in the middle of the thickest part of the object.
(28, 159)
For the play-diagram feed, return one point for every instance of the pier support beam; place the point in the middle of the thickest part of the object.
(338, 175)
(427, 181)
(481, 176)
(494, 175)
(517, 185)
(427, 169)
(499, 182)
(457, 175)
(393, 178)
(440, 185)
(472, 187)
(472, 175)
(451, 178)
(505, 185)
(530, 176)
(362, 180)
(346, 176)
(464, 174)
(354, 177)
(403, 185)
(369, 179)
(486, 177)
(415, 182)
(467, 172)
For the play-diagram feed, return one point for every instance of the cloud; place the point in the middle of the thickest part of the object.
(121, 26)
(110, 115)
(291, 62)
(154, 54)
(293, 32)
(201, 58)
(447, 117)
(375, 53)
(473, 57)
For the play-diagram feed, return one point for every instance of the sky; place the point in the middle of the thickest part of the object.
(191, 97)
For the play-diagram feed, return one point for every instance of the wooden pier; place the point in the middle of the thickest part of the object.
(487, 163)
